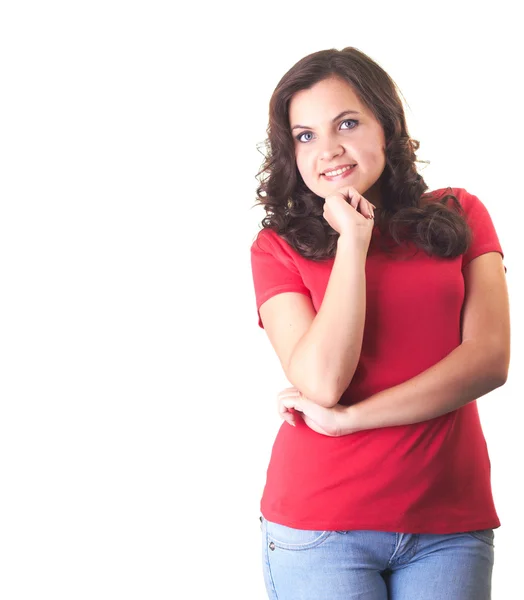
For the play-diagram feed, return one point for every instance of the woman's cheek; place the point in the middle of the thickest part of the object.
(302, 168)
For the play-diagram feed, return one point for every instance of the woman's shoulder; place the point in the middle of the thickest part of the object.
(268, 240)
(268, 243)
(465, 198)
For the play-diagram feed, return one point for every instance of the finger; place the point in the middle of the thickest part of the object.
(287, 414)
(366, 209)
(346, 194)
(357, 200)
(354, 197)
(288, 400)
(289, 417)
(289, 393)
(286, 403)
(292, 403)
(288, 389)
(282, 408)
(304, 406)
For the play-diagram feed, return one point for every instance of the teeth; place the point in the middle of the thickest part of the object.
(338, 171)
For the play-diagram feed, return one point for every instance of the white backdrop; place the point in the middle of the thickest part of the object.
(138, 395)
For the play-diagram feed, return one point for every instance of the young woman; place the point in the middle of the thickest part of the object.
(387, 307)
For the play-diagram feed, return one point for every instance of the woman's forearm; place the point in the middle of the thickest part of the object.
(325, 359)
(470, 371)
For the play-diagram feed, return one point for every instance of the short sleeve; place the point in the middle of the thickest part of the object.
(274, 269)
(484, 237)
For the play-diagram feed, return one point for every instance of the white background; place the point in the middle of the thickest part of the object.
(137, 392)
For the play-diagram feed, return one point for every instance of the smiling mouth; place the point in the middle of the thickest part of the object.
(336, 172)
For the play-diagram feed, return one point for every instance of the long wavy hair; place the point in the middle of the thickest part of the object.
(407, 213)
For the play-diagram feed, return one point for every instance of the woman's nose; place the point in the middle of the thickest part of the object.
(330, 149)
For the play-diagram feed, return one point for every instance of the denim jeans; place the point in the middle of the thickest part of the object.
(375, 565)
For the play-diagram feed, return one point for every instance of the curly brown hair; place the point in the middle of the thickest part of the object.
(407, 213)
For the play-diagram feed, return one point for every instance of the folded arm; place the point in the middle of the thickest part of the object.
(476, 367)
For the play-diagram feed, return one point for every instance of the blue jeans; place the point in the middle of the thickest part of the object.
(375, 565)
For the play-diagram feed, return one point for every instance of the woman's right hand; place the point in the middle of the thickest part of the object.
(350, 214)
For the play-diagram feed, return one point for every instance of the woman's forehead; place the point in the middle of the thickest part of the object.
(323, 102)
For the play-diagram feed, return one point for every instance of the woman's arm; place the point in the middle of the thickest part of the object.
(320, 352)
(475, 368)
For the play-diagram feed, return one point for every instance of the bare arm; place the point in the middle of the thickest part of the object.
(323, 360)
(319, 353)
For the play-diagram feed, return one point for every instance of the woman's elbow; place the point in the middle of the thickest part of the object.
(327, 396)
(501, 365)
(318, 392)
(501, 376)
(321, 387)
(328, 400)
(498, 374)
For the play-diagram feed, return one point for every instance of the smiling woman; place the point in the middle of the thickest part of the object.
(388, 329)
(336, 110)
(332, 151)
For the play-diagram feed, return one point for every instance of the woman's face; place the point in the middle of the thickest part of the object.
(333, 130)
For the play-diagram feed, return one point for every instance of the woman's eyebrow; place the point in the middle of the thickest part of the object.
(342, 114)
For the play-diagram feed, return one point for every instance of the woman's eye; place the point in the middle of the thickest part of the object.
(351, 124)
(300, 136)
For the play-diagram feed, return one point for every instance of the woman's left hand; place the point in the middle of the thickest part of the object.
(333, 422)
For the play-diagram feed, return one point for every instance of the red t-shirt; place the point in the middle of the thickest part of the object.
(429, 477)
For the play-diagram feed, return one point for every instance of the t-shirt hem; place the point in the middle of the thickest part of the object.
(438, 528)
(281, 289)
(480, 251)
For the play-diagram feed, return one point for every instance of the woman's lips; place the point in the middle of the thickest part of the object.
(343, 175)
